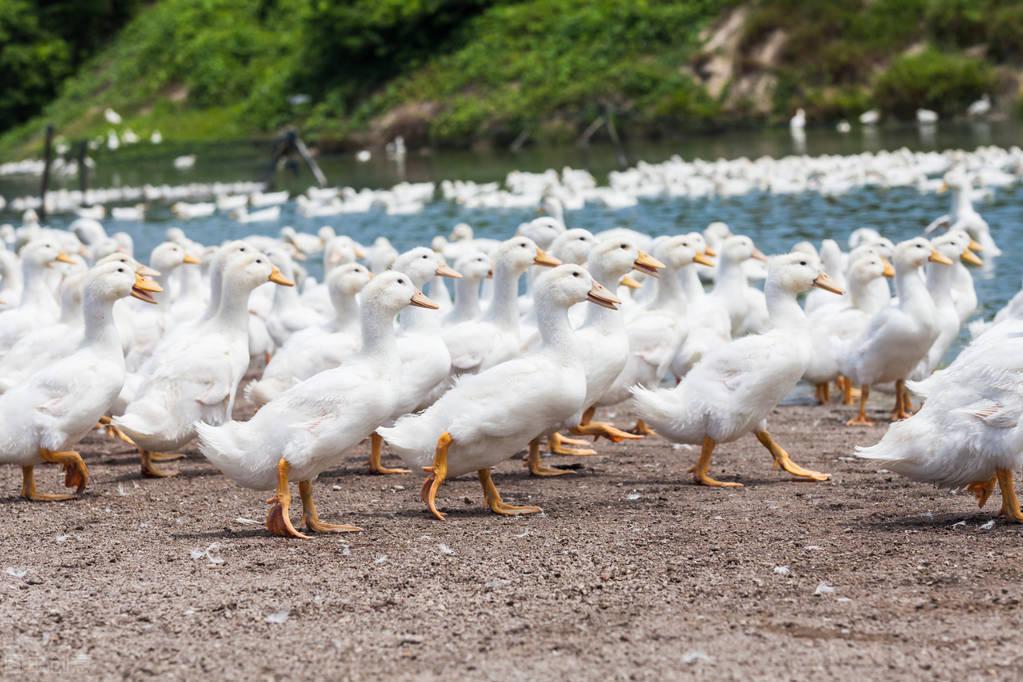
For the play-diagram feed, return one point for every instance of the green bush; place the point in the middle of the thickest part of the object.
(946, 83)
(1005, 33)
(958, 22)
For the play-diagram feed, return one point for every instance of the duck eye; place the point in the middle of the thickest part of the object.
(575, 274)
(401, 281)
(424, 256)
(802, 262)
(259, 260)
(120, 269)
(624, 246)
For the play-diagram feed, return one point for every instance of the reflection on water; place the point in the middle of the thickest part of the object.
(774, 221)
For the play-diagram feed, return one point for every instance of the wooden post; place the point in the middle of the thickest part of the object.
(83, 170)
(623, 158)
(303, 151)
(47, 161)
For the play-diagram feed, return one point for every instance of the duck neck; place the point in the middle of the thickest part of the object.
(783, 308)
(669, 292)
(939, 283)
(729, 275)
(216, 282)
(416, 319)
(439, 292)
(467, 299)
(961, 202)
(377, 327)
(912, 291)
(164, 280)
(503, 310)
(35, 290)
(100, 330)
(233, 312)
(554, 327)
(191, 281)
(346, 311)
(859, 294)
(597, 315)
(285, 298)
(692, 289)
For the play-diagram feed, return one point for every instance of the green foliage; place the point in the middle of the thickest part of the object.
(946, 83)
(462, 72)
(1005, 33)
(959, 23)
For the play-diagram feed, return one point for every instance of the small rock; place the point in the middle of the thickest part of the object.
(823, 588)
(782, 570)
(278, 617)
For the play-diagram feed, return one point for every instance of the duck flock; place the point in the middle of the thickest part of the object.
(697, 333)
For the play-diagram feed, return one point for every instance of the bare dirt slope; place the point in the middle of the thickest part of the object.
(632, 572)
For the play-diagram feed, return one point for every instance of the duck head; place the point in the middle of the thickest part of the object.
(340, 250)
(44, 253)
(967, 245)
(868, 267)
(169, 256)
(573, 246)
(543, 230)
(392, 291)
(682, 250)
(112, 281)
(248, 270)
(799, 272)
(423, 264)
(461, 232)
(740, 248)
(518, 253)
(914, 253)
(566, 285)
(474, 266)
(347, 280)
(613, 259)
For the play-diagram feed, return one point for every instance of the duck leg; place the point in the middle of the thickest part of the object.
(782, 459)
(114, 432)
(165, 456)
(588, 427)
(901, 394)
(312, 518)
(376, 450)
(641, 429)
(438, 472)
(29, 492)
(150, 470)
(1010, 503)
(76, 474)
(701, 468)
(492, 497)
(278, 519)
(861, 418)
(982, 490)
(557, 443)
(536, 468)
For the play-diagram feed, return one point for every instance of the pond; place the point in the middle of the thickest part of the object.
(775, 222)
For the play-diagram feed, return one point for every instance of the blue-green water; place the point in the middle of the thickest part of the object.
(775, 222)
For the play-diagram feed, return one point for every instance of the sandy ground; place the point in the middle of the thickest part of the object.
(631, 572)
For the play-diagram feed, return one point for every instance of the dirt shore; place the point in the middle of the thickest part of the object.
(631, 572)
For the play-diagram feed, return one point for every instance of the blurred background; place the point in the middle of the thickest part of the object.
(491, 74)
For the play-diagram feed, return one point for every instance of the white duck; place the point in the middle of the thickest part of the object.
(319, 348)
(474, 267)
(709, 324)
(969, 432)
(732, 390)
(746, 306)
(488, 417)
(603, 344)
(832, 327)
(37, 305)
(425, 360)
(310, 427)
(897, 337)
(288, 314)
(962, 215)
(478, 344)
(197, 381)
(54, 408)
(953, 246)
(47, 343)
(149, 327)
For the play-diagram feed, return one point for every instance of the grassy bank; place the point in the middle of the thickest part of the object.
(478, 72)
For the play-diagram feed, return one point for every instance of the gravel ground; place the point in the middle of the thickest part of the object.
(631, 572)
